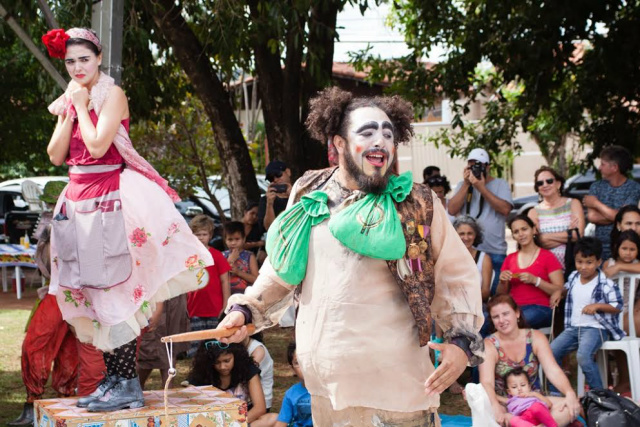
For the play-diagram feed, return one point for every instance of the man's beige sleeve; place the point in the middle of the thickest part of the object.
(457, 302)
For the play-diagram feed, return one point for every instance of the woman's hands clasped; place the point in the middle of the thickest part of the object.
(80, 97)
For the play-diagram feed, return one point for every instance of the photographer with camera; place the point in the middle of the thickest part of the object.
(275, 201)
(488, 200)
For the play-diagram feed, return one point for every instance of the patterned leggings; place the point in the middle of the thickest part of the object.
(122, 361)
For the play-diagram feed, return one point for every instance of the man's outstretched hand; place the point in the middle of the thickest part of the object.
(233, 320)
(454, 361)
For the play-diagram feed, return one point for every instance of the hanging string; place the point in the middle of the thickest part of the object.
(172, 373)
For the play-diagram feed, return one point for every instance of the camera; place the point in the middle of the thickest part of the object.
(280, 188)
(478, 169)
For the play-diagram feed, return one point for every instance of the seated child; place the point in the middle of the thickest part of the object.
(625, 262)
(296, 405)
(206, 305)
(244, 265)
(230, 368)
(528, 408)
(591, 311)
(624, 270)
(260, 354)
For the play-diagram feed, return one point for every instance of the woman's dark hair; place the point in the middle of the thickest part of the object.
(529, 221)
(291, 350)
(553, 172)
(84, 43)
(618, 220)
(505, 299)
(516, 372)
(439, 181)
(329, 114)
(471, 222)
(625, 235)
(233, 227)
(250, 205)
(203, 371)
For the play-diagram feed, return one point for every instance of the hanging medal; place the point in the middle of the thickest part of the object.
(413, 250)
(424, 231)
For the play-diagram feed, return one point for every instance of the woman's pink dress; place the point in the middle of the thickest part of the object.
(119, 246)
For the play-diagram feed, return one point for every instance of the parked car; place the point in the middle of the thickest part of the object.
(576, 186)
(199, 203)
(14, 208)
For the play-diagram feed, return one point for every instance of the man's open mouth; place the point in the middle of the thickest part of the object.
(376, 158)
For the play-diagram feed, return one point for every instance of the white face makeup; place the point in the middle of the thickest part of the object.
(369, 150)
(82, 64)
(370, 137)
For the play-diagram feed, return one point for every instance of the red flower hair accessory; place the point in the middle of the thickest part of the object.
(56, 43)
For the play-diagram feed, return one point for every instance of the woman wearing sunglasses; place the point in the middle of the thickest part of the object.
(555, 214)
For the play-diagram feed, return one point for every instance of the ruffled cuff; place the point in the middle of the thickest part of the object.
(245, 312)
(469, 341)
(267, 300)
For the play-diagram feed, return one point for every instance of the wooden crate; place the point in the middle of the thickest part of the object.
(187, 407)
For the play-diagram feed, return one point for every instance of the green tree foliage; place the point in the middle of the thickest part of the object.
(565, 58)
(150, 82)
(287, 45)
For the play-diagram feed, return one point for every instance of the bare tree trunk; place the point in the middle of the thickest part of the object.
(279, 89)
(562, 155)
(237, 168)
(318, 74)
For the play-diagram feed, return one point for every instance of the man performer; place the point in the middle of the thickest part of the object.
(375, 261)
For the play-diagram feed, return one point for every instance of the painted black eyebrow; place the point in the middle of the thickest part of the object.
(369, 125)
(387, 125)
(80, 57)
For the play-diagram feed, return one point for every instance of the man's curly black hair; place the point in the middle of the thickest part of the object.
(203, 371)
(329, 113)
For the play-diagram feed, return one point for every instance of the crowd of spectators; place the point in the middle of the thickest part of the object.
(584, 280)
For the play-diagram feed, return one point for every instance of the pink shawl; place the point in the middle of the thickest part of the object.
(134, 161)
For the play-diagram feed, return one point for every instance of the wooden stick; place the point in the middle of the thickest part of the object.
(207, 334)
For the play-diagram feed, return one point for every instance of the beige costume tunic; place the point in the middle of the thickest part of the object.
(357, 343)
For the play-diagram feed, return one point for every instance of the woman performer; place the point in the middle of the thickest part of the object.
(119, 246)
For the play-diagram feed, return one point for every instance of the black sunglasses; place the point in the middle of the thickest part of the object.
(548, 181)
(278, 174)
(436, 180)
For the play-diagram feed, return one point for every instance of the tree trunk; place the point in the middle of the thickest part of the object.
(285, 92)
(279, 88)
(237, 168)
(318, 74)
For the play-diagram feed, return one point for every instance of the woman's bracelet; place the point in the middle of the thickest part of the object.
(538, 281)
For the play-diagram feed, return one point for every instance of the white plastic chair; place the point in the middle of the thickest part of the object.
(629, 344)
(31, 194)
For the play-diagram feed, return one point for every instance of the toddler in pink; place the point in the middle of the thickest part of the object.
(527, 408)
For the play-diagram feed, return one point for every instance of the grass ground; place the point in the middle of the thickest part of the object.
(14, 315)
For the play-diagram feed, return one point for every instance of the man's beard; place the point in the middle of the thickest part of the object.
(375, 183)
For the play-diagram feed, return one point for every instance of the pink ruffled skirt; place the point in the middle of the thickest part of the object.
(119, 246)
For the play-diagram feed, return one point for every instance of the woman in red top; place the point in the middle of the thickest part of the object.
(531, 274)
